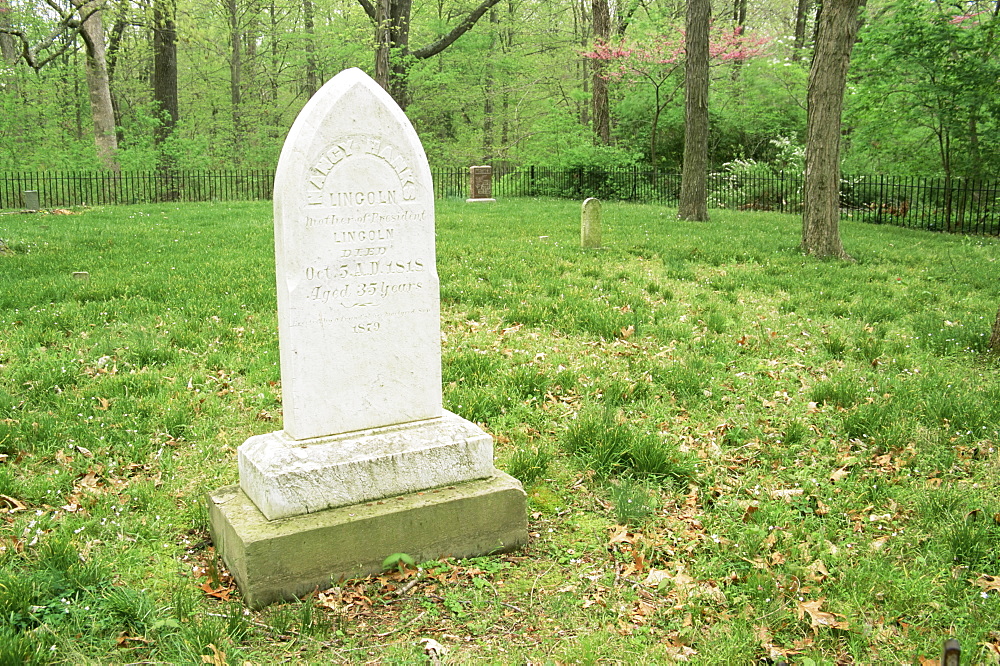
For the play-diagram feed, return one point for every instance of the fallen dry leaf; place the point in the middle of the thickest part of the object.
(819, 618)
(434, 650)
(217, 658)
(839, 474)
(10, 504)
(680, 652)
(987, 582)
(124, 639)
(220, 593)
(817, 572)
(656, 577)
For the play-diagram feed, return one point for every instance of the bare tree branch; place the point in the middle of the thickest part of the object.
(463, 27)
(369, 8)
(68, 27)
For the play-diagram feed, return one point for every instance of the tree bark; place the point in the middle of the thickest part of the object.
(802, 8)
(99, 87)
(235, 74)
(312, 79)
(599, 95)
(8, 47)
(837, 28)
(995, 338)
(383, 43)
(740, 12)
(694, 191)
(489, 90)
(165, 69)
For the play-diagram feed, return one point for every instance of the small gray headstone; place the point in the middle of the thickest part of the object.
(590, 224)
(31, 200)
(82, 276)
(480, 184)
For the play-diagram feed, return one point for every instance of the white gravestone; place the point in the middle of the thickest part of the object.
(358, 316)
(358, 312)
(368, 463)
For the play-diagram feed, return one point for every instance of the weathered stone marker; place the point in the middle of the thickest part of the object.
(590, 224)
(368, 463)
(480, 184)
(31, 200)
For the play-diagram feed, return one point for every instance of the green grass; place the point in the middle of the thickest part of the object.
(776, 439)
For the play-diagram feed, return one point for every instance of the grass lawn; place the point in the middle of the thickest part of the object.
(733, 452)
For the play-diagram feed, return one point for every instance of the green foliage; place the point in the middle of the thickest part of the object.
(610, 447)
(529, 465)
(632, 502)
(398, 561)
(924, 99)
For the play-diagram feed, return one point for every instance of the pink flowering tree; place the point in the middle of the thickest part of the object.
(654, 62)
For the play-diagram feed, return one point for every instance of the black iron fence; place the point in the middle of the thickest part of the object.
(57, 189)
(939, 204)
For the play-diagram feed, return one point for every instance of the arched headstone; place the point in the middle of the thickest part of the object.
(590, 223)
(359, 336)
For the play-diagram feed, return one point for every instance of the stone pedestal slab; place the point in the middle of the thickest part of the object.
(280, 560)
(285, 476)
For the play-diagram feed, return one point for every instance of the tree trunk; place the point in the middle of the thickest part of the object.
(165, 70)
(837, 28)
(235, 75)
(581, 27)
(99, 88)
(694, 191)
(8, 47)
(975, 156)
(995, 338)
(740, 12)
(801, 18)
(383, 43)
(312, 79)
(599, 96)
(489, 90)
(399, 54)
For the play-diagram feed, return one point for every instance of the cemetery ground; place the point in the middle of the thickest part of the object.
(733, 453)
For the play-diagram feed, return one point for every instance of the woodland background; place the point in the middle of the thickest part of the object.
(216, 84)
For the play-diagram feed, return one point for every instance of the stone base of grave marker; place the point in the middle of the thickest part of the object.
(285, 477)
(280, 560)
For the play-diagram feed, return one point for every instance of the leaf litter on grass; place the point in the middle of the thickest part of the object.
(831, 453)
